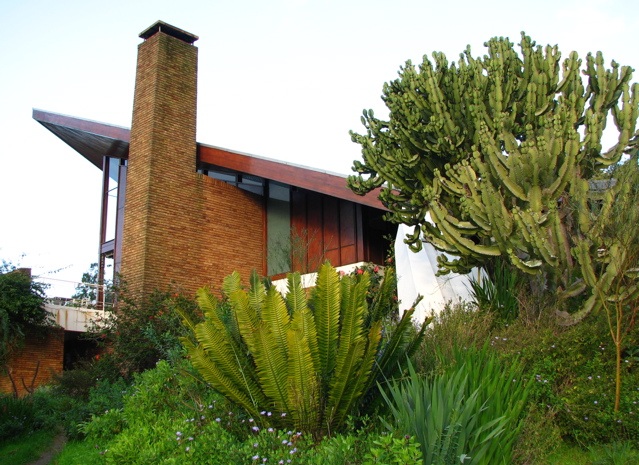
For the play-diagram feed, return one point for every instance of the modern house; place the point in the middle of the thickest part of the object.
(178, 211)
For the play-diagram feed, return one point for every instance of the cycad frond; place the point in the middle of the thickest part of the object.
(313, 360)
(296, 300)
(232, 283)
(213, 375)
(256, 293)
(271, 366)
(227, 355)
(327, 314)
(208, 304)
(304, 396)
(295, 297)
(275, 316)
(247, 319)
(358, 381)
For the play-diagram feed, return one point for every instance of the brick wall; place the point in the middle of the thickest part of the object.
(179, 226)
(22, 364)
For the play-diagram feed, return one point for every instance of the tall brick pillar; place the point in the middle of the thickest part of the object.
(160, 219)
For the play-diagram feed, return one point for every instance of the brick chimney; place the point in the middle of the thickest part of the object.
(180, 227)
(162, 153)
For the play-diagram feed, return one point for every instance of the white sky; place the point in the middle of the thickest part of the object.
(281, 79)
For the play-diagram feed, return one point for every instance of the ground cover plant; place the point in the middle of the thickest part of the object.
(171, 417)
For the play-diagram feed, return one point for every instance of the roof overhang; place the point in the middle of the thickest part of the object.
(94, 140)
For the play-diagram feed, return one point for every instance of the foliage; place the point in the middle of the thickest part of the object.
(457, 325)
(169, 417)
(310, 362)
(498, 294)
(79, 452)
(617, 453)
(142, 330)
(486, 155)
(67, 404)
(19, 415)
(21, 308)
(468, 414)
(389, 450)
(572, 381)
(612, 272)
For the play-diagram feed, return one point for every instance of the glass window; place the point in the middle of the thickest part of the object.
(112, 199)
(278, 228)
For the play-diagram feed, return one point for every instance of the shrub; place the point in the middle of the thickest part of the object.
(146, 330)
(19, 415)
(309, 362)
(470, 413)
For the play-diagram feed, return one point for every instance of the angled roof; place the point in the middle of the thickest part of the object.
(93, 140)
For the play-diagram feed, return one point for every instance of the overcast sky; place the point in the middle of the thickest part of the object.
(281, 79)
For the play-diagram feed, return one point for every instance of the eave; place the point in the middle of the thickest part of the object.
(93, 140)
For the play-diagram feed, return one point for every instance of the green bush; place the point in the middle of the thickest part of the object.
(312, 362)
(69, 406)
(145, 330)
(469, 413)
(19, 415)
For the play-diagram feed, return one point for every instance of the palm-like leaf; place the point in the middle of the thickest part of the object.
(327, 314)
(315, 361)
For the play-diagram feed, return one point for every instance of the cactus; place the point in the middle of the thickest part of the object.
(496, 149)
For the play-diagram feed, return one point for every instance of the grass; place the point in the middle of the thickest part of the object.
(618, 453)
(78, 453)
(26, 448)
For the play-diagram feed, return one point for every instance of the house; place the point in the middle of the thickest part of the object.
(178, 211)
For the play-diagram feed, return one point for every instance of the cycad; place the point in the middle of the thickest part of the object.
(316, 360)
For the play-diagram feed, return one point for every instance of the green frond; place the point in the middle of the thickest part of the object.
(208, 304)
(327, 315)
(247, 319)
(295, 297)
(213, 375)
(228, 357)
(232, 283)
(304, 396)
(257, 292)
(275, 316)
(351, 339)
(342, 382)
(380, 307)
(364, 372)
(271, 367)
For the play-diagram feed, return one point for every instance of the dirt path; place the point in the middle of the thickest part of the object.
(56, 447)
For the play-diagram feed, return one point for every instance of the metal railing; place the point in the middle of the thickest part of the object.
(96, 296)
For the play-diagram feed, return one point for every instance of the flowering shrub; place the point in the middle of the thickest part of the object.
(144, 331)
(169, 419)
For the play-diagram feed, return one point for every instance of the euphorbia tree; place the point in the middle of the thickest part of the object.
(498, 149)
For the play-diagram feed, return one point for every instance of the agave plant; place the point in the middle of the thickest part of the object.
(310, 362)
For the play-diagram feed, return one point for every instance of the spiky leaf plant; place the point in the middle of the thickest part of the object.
(310, 362)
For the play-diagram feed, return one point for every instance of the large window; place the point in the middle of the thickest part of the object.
(278, 228)
(111, 199)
